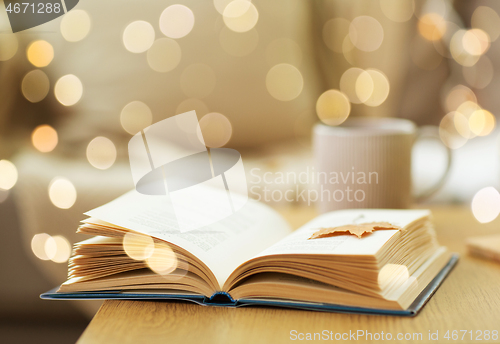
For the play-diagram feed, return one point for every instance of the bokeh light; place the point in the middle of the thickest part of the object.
(216, 129)
(75, 25)
(68, 90)
(393, 274)
(398, 10)
(44, 138)
(479, 75)
(366, 33)
(283, 50)
(198, 80)
(9, 44)
(238, 43)
(38, 245)
(101, 153)
(8, 174)
(476, 42)
(364, 86)
(135, 116)
(459, 53)
(176, 21)
(486, 19)
(220, 5)
(486, 204)
(35, 86)
(333, 107)
(482, 122)
(164, 55)
(457, 96)
(190, 104)
(240, 15)
(432, 26)
(138, 36)
(62, 193)
(380, 90)
(334, 32)
(163, 260)
(138, 246)
(448, 131)
(284, 82)
(40, 53)
(349, 84)
(57, 249)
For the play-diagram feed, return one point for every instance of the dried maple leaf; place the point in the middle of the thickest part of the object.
(357, 230)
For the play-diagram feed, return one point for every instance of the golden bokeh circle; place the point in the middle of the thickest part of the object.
(135, 116)
(216, 129)
(164, 55)
(101, 153)
(333, 107)
(35, 86)
(44, 138)
(75, 25)
(62, 193)
(138, 36)
(176, 21)
(240, 16)
(68, 90)
(399, 11)
(8, 174)
(40, 53)
(366, 33)
(284, 82)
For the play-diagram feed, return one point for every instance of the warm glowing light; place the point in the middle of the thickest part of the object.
(75, 25)
(459, 53)
(461, 123)
(68, 90)
(35, 86)
(197, 80)
(398, 10)
(432, 26)
(334, 32)
(457, 96)
(138, 246)
(364, 86)
(176, 21)
(38, 245)
(57, 249)
(238, 43)
(333, 107)
(380, 90)
(393, 275)
(8, 174)
(163, 260)
(62, 193)
(479, 75)
(138, 36)
(240, 15)
(220, 5)
(482, 122)
(284, 82)
(448, 132)
(216, 129)
(101, 153)
(475, 42)
(44, 138)
(135, 116)
(366, 33)
(284, 50)
(486, 204)
(347, 50)
(486, 19)
(348, 84)
(164, 55)
(9, 44)
(40, 53)
(190, 104)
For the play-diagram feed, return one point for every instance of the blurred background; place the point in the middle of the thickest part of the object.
(259, 74)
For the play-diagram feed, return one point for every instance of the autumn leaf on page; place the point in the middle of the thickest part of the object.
(358, 229)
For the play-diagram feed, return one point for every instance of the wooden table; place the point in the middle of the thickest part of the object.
(468, 300)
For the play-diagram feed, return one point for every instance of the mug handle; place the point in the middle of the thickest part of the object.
(432, 132)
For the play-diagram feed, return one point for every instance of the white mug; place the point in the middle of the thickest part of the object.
(366, 163)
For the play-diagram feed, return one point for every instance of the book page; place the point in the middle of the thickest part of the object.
(221, 246)
(368, 244)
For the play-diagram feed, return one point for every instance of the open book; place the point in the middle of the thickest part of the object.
(254, 257)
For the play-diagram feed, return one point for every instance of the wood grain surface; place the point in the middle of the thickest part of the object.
(468, 300)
